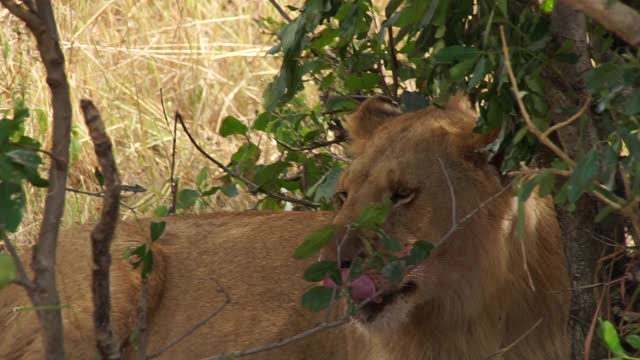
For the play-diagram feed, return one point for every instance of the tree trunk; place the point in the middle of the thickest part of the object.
(565, 90)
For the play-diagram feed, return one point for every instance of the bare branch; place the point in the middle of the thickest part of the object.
(573, 118)
(530, 125)
(280, 10)
(174, 181)
(103, 232)
(252, 186)
(214, 313)
(616, 16)
(45, 295)
(30, 18)
(313, 146)
(394, 62)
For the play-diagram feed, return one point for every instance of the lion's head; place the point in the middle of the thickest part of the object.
(429, 165)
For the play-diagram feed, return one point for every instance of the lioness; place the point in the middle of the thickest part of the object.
(470, 299)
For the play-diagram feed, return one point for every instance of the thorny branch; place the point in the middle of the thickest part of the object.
(103, 232)
(253, 188)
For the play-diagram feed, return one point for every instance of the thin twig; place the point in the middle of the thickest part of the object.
(573, 118)
(174, 181)
(451, 193)
(214, 313)
(280, 10)
(252, 186)
(394, 62)
(516, 341)
(313, 146)
(22, 277)
(523, 110)
(597, 193)
(103, 233)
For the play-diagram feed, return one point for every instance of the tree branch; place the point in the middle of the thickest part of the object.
(252, 186)
(45, 295)
(617, 17)
(103, 232)
(280, 10)
(214, 313)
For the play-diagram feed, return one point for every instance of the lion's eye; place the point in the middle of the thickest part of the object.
(339, 198)
(402, 196)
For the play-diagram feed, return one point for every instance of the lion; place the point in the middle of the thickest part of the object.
(483, 292)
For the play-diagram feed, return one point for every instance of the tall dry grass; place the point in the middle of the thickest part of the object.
(206, 56)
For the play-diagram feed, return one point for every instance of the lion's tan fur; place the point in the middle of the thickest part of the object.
(248, 253)
(473, 297)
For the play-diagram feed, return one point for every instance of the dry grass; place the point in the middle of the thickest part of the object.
(206, 56)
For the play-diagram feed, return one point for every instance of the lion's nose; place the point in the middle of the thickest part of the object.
(349, 249)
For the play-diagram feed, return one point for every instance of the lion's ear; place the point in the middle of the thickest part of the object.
(372, 113)
(464, 118)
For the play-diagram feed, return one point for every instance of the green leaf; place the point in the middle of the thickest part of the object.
(364, 81)
(317, 298)
(412, 101)
(187, 198)
(420, 250)
(98, 174)
(374, 215)
(13, 200)
(502, 5)
(161, 211)
(456, 53)
(43, 121)
(631, 105)
(325, 187)
(604, 76)
(610, 337)
(581, 179)
(546, 181)
(269, 173)
(314, 242)
(547, 6)
(7, 270)
(391, 245)
(394, 271)
(157, 229)
(376, 261)
(356, 269)
(232, 126)
(633, 340)
(321, 270)
(462, 69)
(202, 177)
(262, 121)
(478, 73)
(75, 147)
(230, 189)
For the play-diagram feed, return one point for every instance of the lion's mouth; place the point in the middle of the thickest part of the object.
(370, 311)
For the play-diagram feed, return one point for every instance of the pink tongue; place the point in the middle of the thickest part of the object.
(362, 287)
